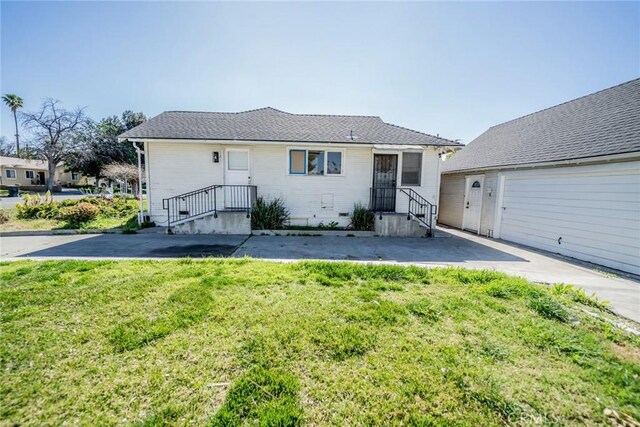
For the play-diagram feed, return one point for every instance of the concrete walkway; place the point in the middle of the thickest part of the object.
(453, 248)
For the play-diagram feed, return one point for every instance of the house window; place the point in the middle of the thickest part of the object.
(476, 184)
(29, 174)
(238, 160)
(10, 173)
(411, 168)
(75, 176)
(334, 163)
(315, 162)
(297, 162)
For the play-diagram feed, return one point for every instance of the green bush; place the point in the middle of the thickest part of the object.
(44, 207)
(79, 213)
(117, 207)
(37, 207)
(269, 215)
(361, 218)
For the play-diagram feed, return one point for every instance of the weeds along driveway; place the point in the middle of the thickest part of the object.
(452, 247)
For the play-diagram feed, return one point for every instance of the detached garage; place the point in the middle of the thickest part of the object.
(565, 180)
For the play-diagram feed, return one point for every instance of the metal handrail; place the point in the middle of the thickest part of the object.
(383, 199)
(420, 209)
(237, 198)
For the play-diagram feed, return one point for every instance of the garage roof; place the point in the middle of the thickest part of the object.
(269, 124)
(600, 124)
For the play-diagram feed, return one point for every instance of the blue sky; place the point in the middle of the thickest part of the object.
(448, 68)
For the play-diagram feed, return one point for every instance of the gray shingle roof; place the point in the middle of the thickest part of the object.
(269, 124)
(603, 123)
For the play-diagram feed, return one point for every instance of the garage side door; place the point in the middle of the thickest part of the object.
(590, 213)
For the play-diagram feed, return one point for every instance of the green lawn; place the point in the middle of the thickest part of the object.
(242, 342)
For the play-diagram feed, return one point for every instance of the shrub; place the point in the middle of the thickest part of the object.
(116, 207)
(37, 206)
(361, 218)
(82, 212)
(3, 216)
(269, 215)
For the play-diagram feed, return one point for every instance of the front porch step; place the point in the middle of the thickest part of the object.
(226, 222)
(397, 224)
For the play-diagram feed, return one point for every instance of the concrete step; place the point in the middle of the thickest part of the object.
(225, 222)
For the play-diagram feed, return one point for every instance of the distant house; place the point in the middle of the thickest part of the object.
(565, 179)
(201, 164)
(23, 172)
(34, 172)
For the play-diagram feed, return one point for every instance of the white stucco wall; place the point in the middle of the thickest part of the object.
(178, 167)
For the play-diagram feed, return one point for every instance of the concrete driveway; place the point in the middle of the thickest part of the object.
(452, 247)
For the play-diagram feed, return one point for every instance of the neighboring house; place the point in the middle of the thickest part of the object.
(319, 165)
(23, 172)
(33, 172)
(565, 179)
(68, 178)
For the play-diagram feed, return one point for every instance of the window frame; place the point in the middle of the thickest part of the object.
(304, 162)
(326, 161)
(402, 181)
(77, 176)
(15, 174)
(325, 152)
(322, 154)
(33, 174)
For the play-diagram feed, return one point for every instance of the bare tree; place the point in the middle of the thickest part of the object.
(122, 172)
(6, 148)
(53, 129)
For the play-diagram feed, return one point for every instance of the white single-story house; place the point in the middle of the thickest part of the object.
(199, 164)
(565, 179)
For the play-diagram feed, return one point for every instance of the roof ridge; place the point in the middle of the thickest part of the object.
(217, 112)
(422, 133)
(274, 109)
(566, 102)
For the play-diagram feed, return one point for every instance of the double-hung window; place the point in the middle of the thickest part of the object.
(10, 173)
(315, 162)
(29, 174)
(411, 168)
(75, 176)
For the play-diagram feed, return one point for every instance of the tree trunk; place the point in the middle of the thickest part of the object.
(15, 119)
(52, 175)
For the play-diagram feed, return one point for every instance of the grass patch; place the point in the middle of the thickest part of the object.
(547, 307)
(243, 342)
(262, 397)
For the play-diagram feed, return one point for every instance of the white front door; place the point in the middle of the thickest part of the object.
(472, 203)
(237, 172)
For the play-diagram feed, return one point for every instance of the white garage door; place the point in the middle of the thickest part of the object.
(588, 212)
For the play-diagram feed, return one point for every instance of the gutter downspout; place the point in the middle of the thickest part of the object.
(141, 212)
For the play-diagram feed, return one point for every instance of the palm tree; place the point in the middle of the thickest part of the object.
(14, 102)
